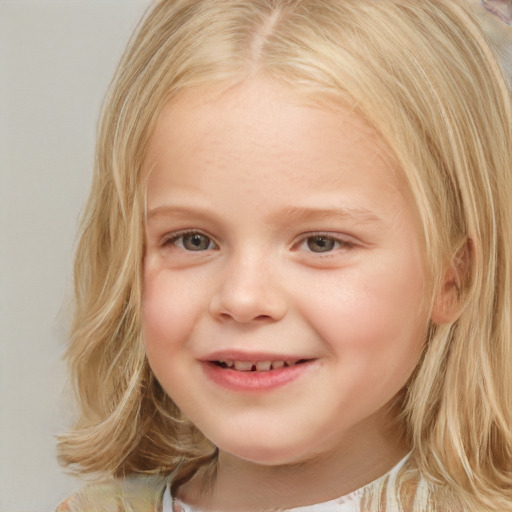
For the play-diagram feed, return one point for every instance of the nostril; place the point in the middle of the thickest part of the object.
(250, 303)
(263, 317)
(258, 318)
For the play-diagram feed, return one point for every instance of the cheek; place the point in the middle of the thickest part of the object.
(371, 317)
(167, 317)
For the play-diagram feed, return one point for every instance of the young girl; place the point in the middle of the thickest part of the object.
(293, 279)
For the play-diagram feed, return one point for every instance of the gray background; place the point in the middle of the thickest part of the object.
(56, 60)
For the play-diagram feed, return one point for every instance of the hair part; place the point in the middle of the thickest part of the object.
(425, 77)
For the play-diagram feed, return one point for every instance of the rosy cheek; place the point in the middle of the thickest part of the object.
(169, 314)
(156, 317)
(153, 327)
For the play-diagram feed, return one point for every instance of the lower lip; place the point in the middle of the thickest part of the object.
(255, 381)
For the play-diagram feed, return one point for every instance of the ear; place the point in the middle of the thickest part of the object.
(449, 298)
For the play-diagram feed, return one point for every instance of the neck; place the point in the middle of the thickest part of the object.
(244, 486)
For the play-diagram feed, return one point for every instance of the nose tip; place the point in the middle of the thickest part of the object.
(247, 296)
(248, 312)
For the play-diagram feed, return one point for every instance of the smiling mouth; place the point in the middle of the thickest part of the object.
(258, 366)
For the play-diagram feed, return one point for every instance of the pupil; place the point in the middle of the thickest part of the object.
(320, 244)
(196, 242)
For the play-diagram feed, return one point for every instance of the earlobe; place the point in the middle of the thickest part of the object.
(450, 296)
(447, 305)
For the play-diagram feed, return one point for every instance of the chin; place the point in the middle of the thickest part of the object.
(264, 456)
(267, 454)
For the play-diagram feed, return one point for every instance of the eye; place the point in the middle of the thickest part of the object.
(323, 243)
(191, 241)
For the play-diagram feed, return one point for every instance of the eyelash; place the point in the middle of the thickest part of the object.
(338, 243)
(173, 238)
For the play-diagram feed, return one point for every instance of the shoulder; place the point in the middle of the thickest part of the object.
(135, 493)
(402, 488)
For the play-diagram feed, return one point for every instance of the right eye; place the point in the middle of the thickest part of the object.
(190, 241)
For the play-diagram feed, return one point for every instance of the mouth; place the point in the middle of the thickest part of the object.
(255, 374)
(258, 366)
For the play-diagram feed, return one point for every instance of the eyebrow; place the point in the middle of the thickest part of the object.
(358, 214)
(168, 210)
(287, 215)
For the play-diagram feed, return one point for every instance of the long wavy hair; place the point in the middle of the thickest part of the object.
(425, 76)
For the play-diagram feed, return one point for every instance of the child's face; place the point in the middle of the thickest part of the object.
(279, 232)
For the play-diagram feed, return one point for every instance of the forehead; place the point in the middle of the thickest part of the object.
(264, 135)
(259, 110)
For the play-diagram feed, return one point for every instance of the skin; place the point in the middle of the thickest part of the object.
(258, 174)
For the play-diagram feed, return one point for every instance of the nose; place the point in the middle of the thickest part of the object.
(247, 292)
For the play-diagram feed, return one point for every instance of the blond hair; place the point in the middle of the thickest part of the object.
(424, 75)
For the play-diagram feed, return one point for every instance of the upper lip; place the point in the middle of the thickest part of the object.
(237, 355)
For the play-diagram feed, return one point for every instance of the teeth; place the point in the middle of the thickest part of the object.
(263, 366)
(260, 366)
(243, 366)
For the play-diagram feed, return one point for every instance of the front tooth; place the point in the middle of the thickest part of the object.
(229, 364)
(263, 366)
(243, 366)
(277, 364)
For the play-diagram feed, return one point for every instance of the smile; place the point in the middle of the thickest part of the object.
(257, 366)
(255, 375)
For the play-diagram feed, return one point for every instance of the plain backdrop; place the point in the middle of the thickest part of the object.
(56, 60)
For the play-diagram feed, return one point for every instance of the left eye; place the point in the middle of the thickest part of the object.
(323, 243)
(192, 242)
